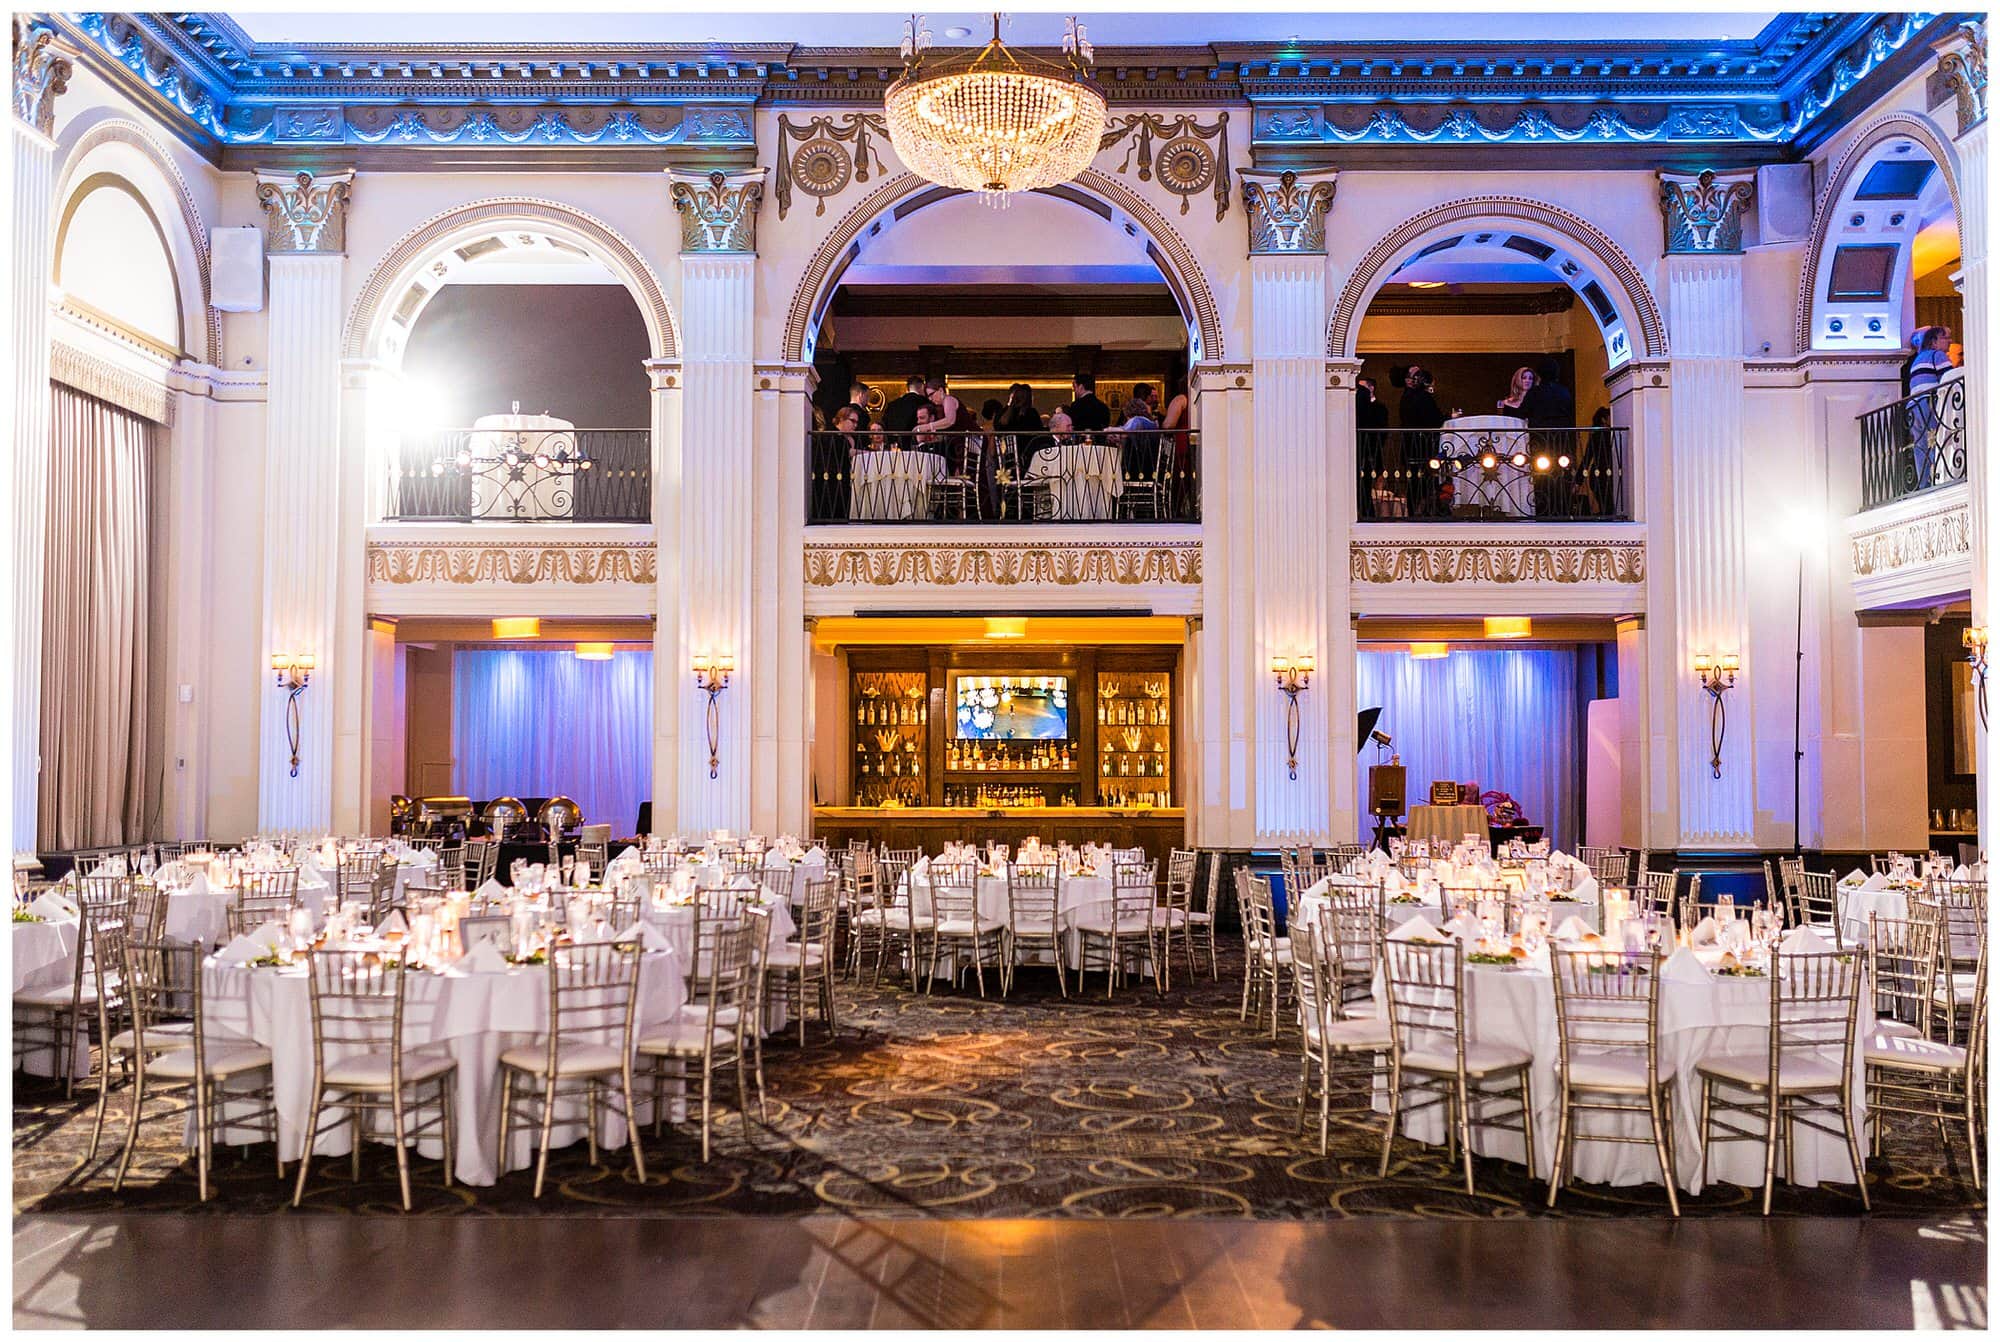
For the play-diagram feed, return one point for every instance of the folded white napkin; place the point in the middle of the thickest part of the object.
(1417, 929)
(261, 940)
(49, 904)
(1573, 929)
(816, 856)
(1705, 932)
(310, 873)
(1961, 874)
(1804, 941)
(491, 889)
(631, 854)
(485, 958)
(1462, 927)
(1876, 881)
(1684, 966)
(393, 923)
(647, 935)
(1855, 877)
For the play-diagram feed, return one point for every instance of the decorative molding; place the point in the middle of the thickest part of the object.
(423, 242)
(1617, 267)
(1962, 66)
(822, 165)
(465, 563)
(1940, 537)
(1490, 561)
(1704, 213)
(718, 210)
(305, 214)
(1891, 126)
(1003, 564)
(1177, 259)
(1350, 124)
(1287, 211)
(41, 72)
(144, 395)
(121, 131)
(1184, 164)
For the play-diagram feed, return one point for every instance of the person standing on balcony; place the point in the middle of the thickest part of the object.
(1371, 416)
(1088, 414)
(1928, 364)
(1419, 410)
(900, 415)
(1175, 423)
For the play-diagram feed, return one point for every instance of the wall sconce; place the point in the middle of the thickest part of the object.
(1975, 639)
(1717, 674)
(711, 677)
(1294, 677)
(295, 671)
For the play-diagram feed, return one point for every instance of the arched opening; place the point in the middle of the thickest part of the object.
(113, 263)
(1885, 244)
(1486, 331)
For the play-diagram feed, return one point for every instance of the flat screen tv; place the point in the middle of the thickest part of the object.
(1011, 708)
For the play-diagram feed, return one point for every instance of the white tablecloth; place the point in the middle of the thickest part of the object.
(1517, 1007)
(1077, 897)
(892, 486)
(1505, 487)
(475, 1017)
(541, 493)
(1085, 479)
(45, 957)
(199, 912)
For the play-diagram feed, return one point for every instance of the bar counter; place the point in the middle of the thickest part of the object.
(1157, 829)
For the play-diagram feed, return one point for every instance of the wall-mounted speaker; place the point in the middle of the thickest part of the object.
(1784, 202)
(236, 269)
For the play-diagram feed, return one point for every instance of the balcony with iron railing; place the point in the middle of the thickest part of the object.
(522, 475)
(1914, 445)
(1492, 473)
(880, 477)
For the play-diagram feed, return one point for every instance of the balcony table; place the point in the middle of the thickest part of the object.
(538, 495)
(893, 486)
(1506, 488)
(1085, 479)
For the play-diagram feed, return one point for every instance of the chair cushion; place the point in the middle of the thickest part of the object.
(173, 1034)
(370, 1071)
(965, 927)
(1032, 928)
(1356, 1034)
(571, 1060)
(1801, 1071)
(58, 994)
(1480, 1059)
(696, 1013)
(792, 955)
(684, 1039)
(1608, 1070)
(1916, 1053)
(1958, 992)
(1888, 1025)
(1101, 924)
(1199, 916)
(225, 1060)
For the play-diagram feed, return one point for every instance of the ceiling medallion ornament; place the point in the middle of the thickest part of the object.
(1185, 164)
(995, 120)
(822, 165)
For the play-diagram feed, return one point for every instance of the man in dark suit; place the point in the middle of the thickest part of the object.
(1548, 404)
(1087, 414)
(900, 415)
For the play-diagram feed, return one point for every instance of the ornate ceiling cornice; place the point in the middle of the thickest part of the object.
(1758, 97)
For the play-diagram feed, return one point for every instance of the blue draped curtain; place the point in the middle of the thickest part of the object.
(535, 722)
(1505, 718)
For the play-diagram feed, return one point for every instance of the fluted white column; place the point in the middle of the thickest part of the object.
(780, 708)
(1705, 313)
(301, 516)
(1225, 677)
(1292, 542)
(669, 663)
(718, 499)
(34, 187)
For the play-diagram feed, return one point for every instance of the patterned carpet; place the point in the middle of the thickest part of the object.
(949, 1106)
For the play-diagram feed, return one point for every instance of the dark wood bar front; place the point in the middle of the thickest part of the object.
(930, 828)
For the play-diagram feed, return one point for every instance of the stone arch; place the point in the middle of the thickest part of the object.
(1169, 251)
(1623, 287)
(412, 271)
(1864, 153)
(166, 198)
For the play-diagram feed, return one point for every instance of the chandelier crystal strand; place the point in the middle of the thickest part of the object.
(996, 121)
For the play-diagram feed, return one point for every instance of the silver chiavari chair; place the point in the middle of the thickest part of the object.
(261, 897)
(906, 929)
(481, 859)
(1203, 911)
(593, 846)
(1608, 1026)
(1802, 1075)
(1653, 892)
(1176, 912)
(1353, 927)
(867, 916)
(1331, 1040)
(361, 1065)
(802, 970)
(1107, 936)
(1457, 900)
(171, 1047)
(955, 906)
(1432, 1057)
(587, 1052)
(1034, 917)
(1905, 1071)
(149, 910)
(1689, 913)
(1812, 901)
(57, 1017)
(706, 1038)
(1265, 954)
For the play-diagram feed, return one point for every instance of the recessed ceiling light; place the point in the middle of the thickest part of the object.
(958, 32)
(517, 626)
(1508, 626)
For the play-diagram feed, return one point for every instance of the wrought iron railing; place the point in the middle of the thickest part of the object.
(882, 477)
(1914, 444)
(1491, 475)
(523, 475)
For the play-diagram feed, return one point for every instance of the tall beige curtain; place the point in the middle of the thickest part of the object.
(94, 618)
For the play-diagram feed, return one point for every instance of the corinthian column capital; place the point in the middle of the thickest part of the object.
(41, 72)
(1287, 211)
(718, 209)
(1704, 212)
(1962, 62)
(305, 214)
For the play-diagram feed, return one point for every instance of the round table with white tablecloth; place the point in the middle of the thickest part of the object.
(475, 1017)
(44, 956)
(891, 485)
(1501, 488)
(524, 490)
(1700, 1015)
(1447, 823)
(1085, 479)
(1077, 897)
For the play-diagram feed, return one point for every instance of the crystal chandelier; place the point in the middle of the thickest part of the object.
(995, 120)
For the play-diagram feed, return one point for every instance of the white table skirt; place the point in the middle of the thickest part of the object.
(1085, 479)
(892, 486)
(45, 956)
(475, 1017)
(1517, 1007)
(1077, 897)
